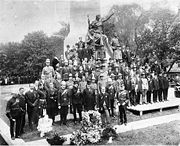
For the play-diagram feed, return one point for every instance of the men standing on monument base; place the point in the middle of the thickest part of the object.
(117, 53)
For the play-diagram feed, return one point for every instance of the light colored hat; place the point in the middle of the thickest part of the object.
(47, 60)
(63, 83)
(70, 75)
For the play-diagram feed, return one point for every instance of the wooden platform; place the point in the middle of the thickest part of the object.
(174, 102)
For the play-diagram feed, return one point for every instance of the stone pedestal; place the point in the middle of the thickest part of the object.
(78, 19)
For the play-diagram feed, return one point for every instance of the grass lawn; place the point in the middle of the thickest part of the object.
(34, 135)
(165, 134)
(162, 134)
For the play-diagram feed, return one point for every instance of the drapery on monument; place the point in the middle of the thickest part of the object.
(97, 39)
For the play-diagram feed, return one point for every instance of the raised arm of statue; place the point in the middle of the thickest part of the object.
(105, 19)
(89, 23)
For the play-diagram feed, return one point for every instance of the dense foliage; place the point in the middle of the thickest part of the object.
(152, 34)
(28, 56)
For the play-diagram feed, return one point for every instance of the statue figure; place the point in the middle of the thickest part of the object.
(97, 38)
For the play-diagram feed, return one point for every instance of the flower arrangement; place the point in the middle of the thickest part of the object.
(90, 132)
(56, 139)
(109, 132)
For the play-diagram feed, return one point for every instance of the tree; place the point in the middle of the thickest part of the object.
(36, 48)
(10, 58)
(123, 22)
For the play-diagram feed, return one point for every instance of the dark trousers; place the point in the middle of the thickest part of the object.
(32, 117)
(112, 107)
(23, 117)
(165, 94)
(51, 112)
(149, 96)
(77, 107)
(155, 92)
(160, 94)
(18, 126)
(138, 97)
(132, 96)
(122, 112)
(63, 114)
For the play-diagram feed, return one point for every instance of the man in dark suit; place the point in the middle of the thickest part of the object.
(63, 102)
(103, 104)
(122, 100)
(22, 104)
(32, 106)
(165, 87)
(155, 87)
(76, 101)
(160, 78)
(89, 100)
(111, 91)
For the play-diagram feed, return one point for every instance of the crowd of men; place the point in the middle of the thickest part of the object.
(82, 82)
(14, 79)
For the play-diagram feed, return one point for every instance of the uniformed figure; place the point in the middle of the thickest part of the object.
(48, 70)
(122, 100)
(89, 99)
(165, 87)
(14, 113)
(65, 72)
(42, 99)
(52, 105)
(103, 104)
(32, 106)
(76, 101)
(82, 84)
(70, 84)
(94, 85)
(116, 48)
(111, 91)
(63, 102)
(22, 103)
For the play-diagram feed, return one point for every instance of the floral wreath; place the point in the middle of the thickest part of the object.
(90, 131)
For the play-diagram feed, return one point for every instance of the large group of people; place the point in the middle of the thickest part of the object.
(76, 86)
(86, 80)
(14, 79)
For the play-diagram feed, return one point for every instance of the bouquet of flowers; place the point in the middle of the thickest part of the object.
(93, 136)
(109, 132)
(78, 138)
(56, 139)
(90, 132)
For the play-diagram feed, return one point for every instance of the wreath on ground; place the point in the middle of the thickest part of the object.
(56, 139)
(90, 132)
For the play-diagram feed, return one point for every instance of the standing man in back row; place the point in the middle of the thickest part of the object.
(48, 71)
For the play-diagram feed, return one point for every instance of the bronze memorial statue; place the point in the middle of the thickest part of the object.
(97, 38)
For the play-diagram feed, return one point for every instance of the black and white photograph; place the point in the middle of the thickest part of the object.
(89, 72)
